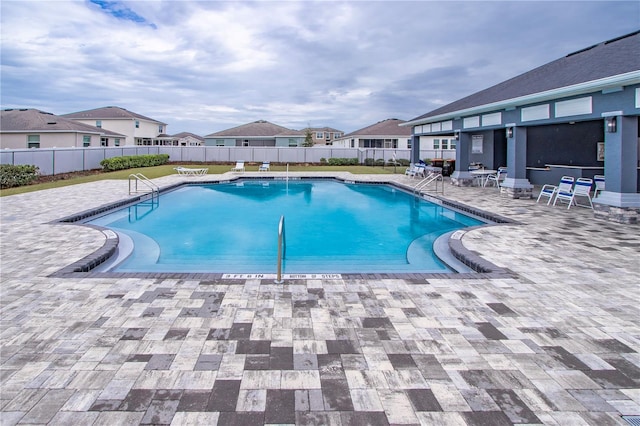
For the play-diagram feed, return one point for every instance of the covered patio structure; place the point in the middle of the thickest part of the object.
(576, 116)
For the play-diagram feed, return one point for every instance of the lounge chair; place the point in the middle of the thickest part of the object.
(550, 191)
(191, 172)
(239, 167)
(265, 167)
(582, 188)
(599, 181)
(497, 177)
(415, 170)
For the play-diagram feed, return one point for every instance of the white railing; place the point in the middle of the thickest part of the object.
(149, 187)
(429, 179)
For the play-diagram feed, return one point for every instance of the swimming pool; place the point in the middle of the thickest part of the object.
(330, 227)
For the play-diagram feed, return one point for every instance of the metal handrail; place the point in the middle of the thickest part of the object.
(139, 177)
(282, 249)
(431, 177)
(152, 188)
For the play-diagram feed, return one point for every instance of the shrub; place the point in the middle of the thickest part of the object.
(12, 176)
(323, 161)
(403, 162)
(342, 161)
(369, 161)
(380, 162)
(133, 161)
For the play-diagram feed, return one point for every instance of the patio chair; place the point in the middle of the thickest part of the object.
(582, 188)
(265, 167)
(599, 181)
(239, 167)
(191, 172)
(498, 177)
(414, 171)
(550, 191)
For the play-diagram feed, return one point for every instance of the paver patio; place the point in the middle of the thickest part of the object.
(555, 342)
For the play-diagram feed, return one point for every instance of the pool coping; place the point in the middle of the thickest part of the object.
(86, 266)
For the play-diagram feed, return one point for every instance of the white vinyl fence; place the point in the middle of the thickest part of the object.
(52, 161)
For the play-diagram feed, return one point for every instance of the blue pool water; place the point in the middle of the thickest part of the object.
(330, 227)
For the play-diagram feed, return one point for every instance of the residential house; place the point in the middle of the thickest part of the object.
(32, 128)
(577, 116)
(139, 130)
(258, 133)
(187, 139)
(383, 134)
(441, 146)
(323, 135)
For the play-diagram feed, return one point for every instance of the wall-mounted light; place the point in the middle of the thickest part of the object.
(509, 132)
(456, 135)
(612, 124)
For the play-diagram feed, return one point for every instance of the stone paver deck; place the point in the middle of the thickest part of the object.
(555, 342)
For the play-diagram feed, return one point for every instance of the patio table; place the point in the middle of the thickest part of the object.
(482, 174)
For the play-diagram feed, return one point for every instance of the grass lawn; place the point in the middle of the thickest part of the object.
(167, 169)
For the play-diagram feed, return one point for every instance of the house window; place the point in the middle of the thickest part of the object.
(409, 143)
(219, 142)
(99, 123)
(452, 145)
(33, 141)
(160, 129)
(245, 142)
(104, 142)
(293, 142)
(319, 135)
(137, 124)
(86, 140)
(117, 142)
(336, 135)
(353, 143)
(436, 144)
(445, 143)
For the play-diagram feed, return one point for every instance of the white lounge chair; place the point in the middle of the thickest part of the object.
(239, 167)
(599, 181)
(550, 191)
(265, 167)
(415, 170)
(582, 188)
(497, 177)
(191, 172)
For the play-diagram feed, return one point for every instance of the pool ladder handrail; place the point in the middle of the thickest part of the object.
(431, 177)
(282, 249)
(152, 188)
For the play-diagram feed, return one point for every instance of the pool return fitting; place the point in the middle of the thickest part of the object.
(282, 249)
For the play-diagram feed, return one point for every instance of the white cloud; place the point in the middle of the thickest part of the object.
(205, 66)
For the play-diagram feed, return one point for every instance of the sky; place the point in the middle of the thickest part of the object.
(206, 66)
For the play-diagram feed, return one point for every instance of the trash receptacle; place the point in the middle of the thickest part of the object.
(448, 167)
(437, 162)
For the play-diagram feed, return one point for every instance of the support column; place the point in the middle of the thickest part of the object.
(415, 149)
(516, 184)
(461, 176)
(620, 202)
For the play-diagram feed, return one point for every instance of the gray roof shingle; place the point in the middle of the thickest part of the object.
(260, 128)
(108, 113)
(321, 129)
(388, 127)
(33, 120)
(610, 58)
(185, 134)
